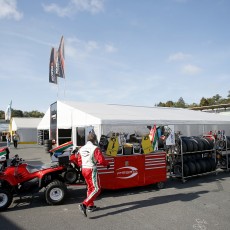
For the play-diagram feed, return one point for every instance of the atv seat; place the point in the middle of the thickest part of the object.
(36, 168)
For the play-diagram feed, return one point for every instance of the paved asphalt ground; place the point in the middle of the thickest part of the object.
(201, 203)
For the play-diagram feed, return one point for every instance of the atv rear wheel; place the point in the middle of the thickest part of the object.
(55, 192)
(6, 198)
(71, 175)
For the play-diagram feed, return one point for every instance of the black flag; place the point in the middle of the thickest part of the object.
(52, 67)
(60, 68)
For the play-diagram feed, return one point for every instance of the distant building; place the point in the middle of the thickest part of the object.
(26, 128)
(222, 109)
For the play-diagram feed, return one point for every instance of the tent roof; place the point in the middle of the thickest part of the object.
(128, 114)
(45, 122)
(25, 122)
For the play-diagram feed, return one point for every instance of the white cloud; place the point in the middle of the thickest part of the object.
(191, 69)
(179, 57)
(109, 48)
(92, 6)
(79, 49)
(91, 45)
(8, 10)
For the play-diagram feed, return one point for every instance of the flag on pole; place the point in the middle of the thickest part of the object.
(153, 137)
(8, 112)
(52, 67)
(60, 68)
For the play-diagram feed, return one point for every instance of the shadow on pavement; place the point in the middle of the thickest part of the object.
(8, 224)
(184, 197)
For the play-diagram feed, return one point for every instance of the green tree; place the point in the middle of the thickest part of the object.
(36, 113)
(193, 105)
(2, 114)
(26, 114)
(161, 104)
(169, 104)
(16, 113)
(228, 94)
(180, 103)
(216, 98)
(204, 102)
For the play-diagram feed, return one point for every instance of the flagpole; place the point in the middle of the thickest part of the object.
(57, 89)
(64, 88)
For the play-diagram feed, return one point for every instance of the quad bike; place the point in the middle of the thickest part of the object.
(20, 178)
(5, 152)
(72, 173)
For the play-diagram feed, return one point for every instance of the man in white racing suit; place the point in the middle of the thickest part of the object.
(88, 157)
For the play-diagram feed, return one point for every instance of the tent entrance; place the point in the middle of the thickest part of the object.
(64, 135)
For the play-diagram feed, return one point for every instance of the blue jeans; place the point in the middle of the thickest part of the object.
(8, 143)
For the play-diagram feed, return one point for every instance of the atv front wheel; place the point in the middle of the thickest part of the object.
(55, 192)
(6, 198)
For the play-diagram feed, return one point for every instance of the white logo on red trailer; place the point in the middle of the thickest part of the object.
(127, 172)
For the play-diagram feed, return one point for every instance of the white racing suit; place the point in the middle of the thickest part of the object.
(88, 157)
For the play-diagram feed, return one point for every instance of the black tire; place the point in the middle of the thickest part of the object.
(202, 165)
(160, 185)
(206, 144)
(223, 162)
(198, 156)
(6, 198)
(71, 176)
(192, 168)
(213, 163)
(208, 165)
(193, 157)
(189, 145)
(228, 141)
(184, 147)
(185, 158)
(200, 143)
(195, 144)
(221, 144)
(198, 167)
(177, 170)
(55, 192)
(186, 170)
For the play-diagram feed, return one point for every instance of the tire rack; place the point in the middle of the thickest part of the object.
(225, 151)
(181, 154)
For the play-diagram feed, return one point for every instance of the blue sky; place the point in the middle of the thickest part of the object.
(136, 52)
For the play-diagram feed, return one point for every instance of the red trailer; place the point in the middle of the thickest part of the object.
(134, 170)
(126, 171)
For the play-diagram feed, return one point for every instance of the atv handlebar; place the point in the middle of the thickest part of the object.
(15, 161)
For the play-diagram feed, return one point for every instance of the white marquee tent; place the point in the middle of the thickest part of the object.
(45, 122)
(107, 118)
(26, 128)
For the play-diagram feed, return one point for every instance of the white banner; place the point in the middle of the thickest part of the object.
(171, 138)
